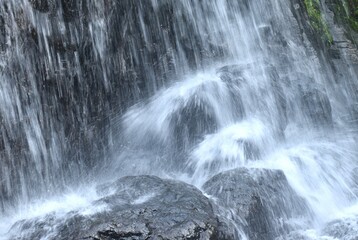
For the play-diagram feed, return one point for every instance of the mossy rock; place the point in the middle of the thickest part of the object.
(317, 21)
(346, 12)
(353, 14)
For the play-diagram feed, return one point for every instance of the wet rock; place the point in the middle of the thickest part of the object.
(2, 33)
(235, 76)
(334, 53)
(317, 107)
(61, 46)
(262, 198)
(44, 6)
(140, 207)
(70, 9)
(165, 22)
(279, 96)
(345, 229)
(266, 32)
(192, 122)
(232, 74)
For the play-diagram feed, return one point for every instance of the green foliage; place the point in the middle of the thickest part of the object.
(353, 23)
(353, 14)
(347, 11)
(317, 21)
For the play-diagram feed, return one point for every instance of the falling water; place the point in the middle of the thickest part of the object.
(177, 89)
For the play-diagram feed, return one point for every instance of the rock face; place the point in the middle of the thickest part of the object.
(317, 108)
(43, 5)
(141, 207)
(96, 59)
(261, 198)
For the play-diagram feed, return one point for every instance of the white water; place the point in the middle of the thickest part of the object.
(317, 161)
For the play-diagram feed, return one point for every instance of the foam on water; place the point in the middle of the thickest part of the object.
(154, 118)
(275, 109)
(226, 149)
(318, 172)
(76, 200)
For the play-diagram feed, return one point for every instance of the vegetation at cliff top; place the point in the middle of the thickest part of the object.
(317, 21)
(352, 9)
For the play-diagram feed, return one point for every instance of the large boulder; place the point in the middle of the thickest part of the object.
(136, 207)
(261, 198)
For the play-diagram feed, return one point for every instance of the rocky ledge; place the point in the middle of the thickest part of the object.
(136, 207)
(148, 207)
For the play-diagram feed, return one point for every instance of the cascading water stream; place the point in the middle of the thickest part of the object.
(248, 91)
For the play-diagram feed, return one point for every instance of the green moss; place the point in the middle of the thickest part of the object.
(353, 23)
(352, 13)
(346, 13)
(316, 20)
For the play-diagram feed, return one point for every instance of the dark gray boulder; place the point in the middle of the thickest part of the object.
(136, 207)
(192, 122)
(261, 198)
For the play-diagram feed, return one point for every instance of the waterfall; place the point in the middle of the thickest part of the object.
(92, 91)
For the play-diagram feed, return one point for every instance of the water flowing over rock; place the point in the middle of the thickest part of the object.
(345, 229)
(141, 207)
(261, 199)
(317, 108)
(253, 102)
